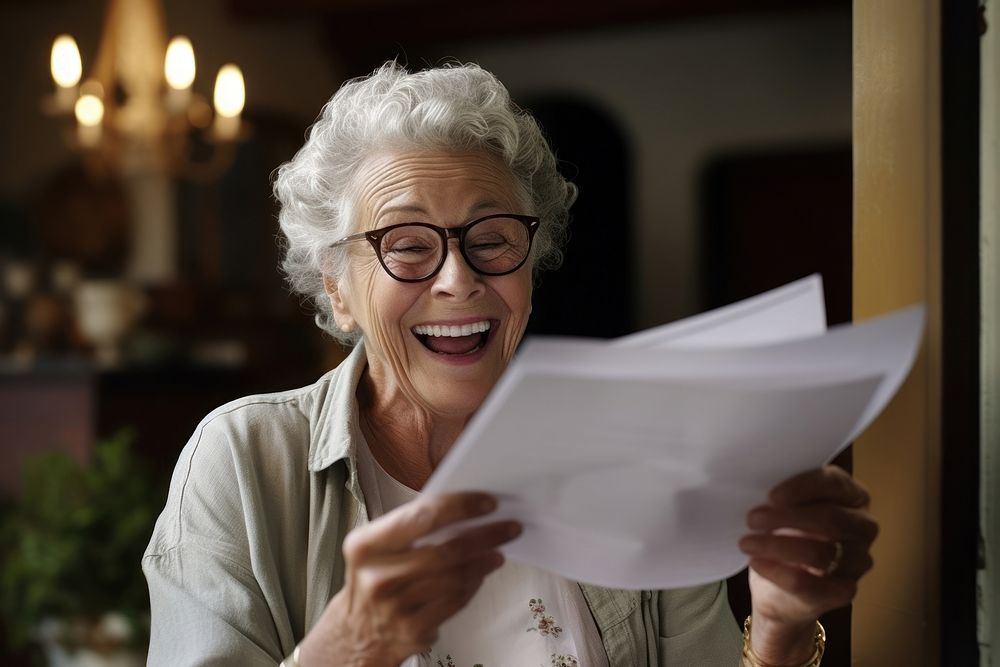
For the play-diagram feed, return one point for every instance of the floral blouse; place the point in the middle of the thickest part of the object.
(520, 616)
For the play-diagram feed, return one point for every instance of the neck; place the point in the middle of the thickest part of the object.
(406, 439)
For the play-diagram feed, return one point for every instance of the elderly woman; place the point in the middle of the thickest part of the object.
(416, 215)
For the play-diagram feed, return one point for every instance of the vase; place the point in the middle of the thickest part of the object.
(106, 310)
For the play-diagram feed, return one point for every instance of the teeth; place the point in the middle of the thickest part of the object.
(452, 331)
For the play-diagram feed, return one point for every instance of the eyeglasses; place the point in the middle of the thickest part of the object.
(414, 251)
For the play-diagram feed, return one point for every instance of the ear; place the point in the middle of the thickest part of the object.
(341, 312)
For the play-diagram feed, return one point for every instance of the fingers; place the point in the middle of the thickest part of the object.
(386, 575)
(826, 484)
(811, 544)
(808, 515)
(381, 575)
(390, 581)
(415, 607)
(397, 530)
(832, 522)
(419, 609)
(465, 546)
(395, 595)
(816, 557)
(440, 596)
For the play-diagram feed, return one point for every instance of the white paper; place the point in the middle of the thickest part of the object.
(787, 313)
(634, 467)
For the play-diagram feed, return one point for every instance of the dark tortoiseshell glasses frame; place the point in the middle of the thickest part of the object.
(375, 236)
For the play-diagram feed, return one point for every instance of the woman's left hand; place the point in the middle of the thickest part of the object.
(810, 546)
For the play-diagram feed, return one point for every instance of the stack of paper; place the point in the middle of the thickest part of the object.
(633, 463)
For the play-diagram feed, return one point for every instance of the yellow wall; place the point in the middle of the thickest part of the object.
(897, 222)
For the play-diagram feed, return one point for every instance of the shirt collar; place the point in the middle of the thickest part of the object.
(334, 415)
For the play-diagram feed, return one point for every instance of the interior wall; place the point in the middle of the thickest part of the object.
(683, 93)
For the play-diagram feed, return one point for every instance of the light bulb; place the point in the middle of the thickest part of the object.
(66, 65)
(230, 93)
(178, 66)
(89, 110)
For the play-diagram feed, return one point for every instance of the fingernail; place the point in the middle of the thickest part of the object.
(514, 529)
(749, 544)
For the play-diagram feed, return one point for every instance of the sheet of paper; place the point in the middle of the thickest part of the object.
(634, 468)
(789, 312)
(883, 347)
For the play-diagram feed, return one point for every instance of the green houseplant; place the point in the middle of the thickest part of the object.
(70, 547)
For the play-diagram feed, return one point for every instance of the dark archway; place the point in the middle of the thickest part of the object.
(591, 294)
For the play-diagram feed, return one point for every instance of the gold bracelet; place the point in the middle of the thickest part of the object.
(814, 660)
(292, 660)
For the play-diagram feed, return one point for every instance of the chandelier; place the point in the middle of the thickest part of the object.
(136, 111)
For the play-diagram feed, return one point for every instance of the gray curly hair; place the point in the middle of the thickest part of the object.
(454, 107)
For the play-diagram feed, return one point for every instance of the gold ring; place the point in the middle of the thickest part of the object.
(838, 555)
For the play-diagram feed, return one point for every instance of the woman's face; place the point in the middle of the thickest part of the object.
(447, 375)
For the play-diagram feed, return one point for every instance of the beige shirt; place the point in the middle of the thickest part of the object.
(247, 552)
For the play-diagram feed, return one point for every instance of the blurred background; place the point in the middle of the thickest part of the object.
(138, 261)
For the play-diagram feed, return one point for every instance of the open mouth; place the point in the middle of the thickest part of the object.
(456, 340)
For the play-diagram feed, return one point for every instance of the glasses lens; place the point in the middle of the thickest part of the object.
(411, 252)
(497, 245)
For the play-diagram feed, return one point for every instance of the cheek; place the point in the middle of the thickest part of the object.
(364, 287)
(386, 304)
(518, 300)
(381, 305)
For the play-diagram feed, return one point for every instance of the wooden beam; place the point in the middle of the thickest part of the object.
(897, 261)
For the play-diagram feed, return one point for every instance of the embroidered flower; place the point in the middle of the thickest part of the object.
(545, 625)
(564, 661)
(450, 662)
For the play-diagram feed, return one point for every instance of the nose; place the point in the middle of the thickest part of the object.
(456, 280)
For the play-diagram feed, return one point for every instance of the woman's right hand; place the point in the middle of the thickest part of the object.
(396, 595)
